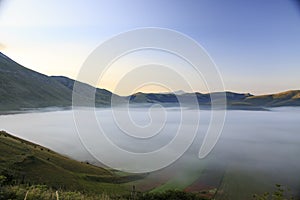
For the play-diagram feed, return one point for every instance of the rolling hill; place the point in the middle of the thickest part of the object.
(23, 162)
(203, 99)
(288, 98)
(22, 88)
(244, 101)
(102, 96)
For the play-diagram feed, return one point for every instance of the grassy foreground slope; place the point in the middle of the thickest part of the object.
(23, 162)
(27, 169)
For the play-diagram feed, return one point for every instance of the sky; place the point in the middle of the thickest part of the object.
(255, 44)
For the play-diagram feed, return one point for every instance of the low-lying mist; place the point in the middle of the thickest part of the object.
(260, 145)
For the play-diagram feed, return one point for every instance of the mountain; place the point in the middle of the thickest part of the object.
(22, 88)
(203, 99)
(25, 162)
(102, 96)
(234, 100)
(288, 98)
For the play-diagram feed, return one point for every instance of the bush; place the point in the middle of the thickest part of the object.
(2, 180)
(279, 194)
(169, 195)
(43, 192)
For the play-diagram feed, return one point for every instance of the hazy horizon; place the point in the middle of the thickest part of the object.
(180, 91)
(254, 44)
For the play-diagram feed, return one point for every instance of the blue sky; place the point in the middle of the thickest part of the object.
(255, 44)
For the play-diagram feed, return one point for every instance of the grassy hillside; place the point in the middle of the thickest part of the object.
(27, 169)
(23, 88)
(288, 98)
(28, 163)
(102, 96)
(234, 100)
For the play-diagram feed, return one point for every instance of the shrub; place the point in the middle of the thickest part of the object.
(169, 195)
(279, 194)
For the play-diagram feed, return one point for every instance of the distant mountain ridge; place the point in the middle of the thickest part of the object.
(234, 100)
(22, 88)
(288, 98)
(102, 96)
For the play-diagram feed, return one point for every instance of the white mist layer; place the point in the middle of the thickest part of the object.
(260, 141)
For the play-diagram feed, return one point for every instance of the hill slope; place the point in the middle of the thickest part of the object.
(102, 96)
(288, 98)
(185, 97)
(234, 100)
(25, 162)
(23, 88)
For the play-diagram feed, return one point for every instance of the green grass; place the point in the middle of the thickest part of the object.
(242, 185)
(182, 180)
(29, 163)
(24, 88)
(28, 167)
(43, 192)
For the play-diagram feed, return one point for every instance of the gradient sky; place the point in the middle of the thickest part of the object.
(255, 44)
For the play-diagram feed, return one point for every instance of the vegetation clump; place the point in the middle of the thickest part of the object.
(43, 192)
(279, 194)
